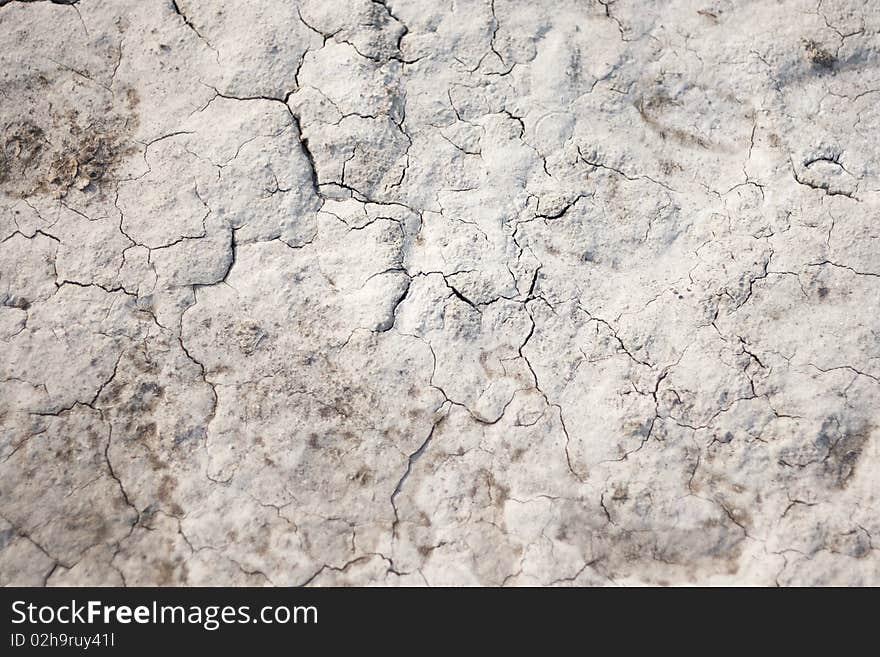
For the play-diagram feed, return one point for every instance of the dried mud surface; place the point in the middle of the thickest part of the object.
(469, 292)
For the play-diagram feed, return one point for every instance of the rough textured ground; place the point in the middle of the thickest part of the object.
(439, 292)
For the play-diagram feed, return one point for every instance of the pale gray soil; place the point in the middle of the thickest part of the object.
(439, 292)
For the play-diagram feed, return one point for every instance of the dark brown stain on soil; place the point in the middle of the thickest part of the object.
(74, 148)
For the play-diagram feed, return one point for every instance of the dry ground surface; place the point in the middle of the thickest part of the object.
(422, 292)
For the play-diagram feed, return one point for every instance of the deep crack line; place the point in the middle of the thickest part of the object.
(188, 22)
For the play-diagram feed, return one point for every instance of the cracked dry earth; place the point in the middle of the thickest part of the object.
(347, 292)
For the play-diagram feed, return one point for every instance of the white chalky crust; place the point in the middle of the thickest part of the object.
(413, 292)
